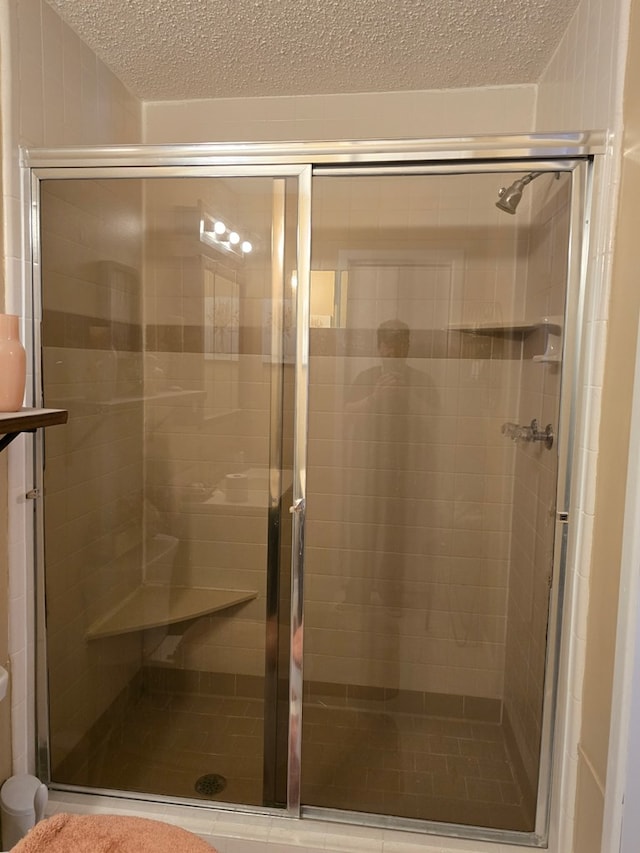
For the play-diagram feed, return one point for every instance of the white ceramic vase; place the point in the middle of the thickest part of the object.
(13, 364)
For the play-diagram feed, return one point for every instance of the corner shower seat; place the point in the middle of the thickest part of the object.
(155, 605)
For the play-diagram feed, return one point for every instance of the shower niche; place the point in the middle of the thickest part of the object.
(287, 544)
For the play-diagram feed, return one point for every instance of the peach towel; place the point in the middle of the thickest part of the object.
(66, 833)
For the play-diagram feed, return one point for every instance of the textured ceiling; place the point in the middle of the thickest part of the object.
(183, 49)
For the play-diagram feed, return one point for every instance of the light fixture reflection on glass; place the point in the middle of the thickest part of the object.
(216, 233)
(294, 280)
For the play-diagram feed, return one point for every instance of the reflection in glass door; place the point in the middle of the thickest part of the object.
(185, 497)
(435, 342)
(168, 334)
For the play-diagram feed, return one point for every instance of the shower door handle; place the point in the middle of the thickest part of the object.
(297, 507)
(297, 526)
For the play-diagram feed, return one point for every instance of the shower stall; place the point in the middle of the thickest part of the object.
(301, 545)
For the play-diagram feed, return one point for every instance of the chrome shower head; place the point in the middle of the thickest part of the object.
(509, 197)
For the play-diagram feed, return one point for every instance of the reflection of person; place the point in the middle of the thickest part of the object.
(389, 408)
(370, 388)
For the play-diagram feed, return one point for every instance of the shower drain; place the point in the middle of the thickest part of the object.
(210, 784)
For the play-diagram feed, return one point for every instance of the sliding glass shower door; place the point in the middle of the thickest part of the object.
(436, 335)
(168, 330)
(314, 423)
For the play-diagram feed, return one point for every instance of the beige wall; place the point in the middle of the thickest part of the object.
(396, 115)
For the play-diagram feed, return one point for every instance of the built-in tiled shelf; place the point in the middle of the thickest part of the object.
(28, 420)
(155, 605)
(171, 396)
(509, 328)
(552, 327)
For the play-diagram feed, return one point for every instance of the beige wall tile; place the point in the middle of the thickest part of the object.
(534, 492)
(355, 527)
(578, 87)
(379, 115)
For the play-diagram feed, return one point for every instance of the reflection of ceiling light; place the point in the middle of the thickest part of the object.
(246, 247)
(219, 227)
(234, 238)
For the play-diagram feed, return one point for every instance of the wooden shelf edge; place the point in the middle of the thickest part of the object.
(29, 419)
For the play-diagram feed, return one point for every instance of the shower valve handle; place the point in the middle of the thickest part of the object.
(529, 433)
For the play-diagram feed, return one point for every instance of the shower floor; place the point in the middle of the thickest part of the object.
(407, 765)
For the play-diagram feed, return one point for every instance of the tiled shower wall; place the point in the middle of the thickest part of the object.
(92, 364)
(447, 627)
(424, 608)
(409, 521)
(534, 499)
(208, 413)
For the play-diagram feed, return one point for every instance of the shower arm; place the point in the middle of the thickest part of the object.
(509, 197)
(530, 177)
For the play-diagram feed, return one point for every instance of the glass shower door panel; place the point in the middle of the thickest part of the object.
(429, 536)
(163, 508)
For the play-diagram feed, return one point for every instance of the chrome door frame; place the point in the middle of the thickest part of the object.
(372, 152)
(563, 152)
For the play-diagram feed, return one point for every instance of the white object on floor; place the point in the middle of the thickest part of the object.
(23, 799)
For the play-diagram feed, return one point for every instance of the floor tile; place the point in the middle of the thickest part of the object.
(403, 764)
